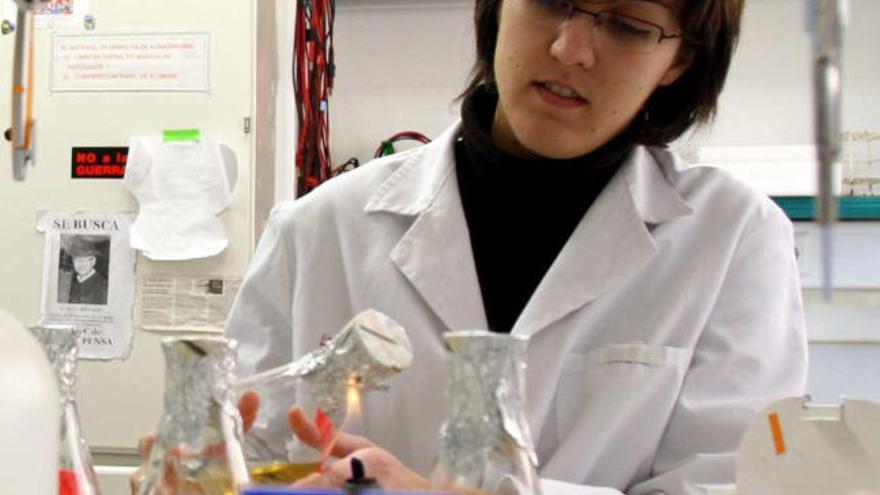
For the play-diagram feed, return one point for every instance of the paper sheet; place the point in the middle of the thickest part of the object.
(131, 62)
(88, 279)
(181, 187)
(182, 304)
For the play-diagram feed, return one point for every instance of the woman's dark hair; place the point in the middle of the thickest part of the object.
(711, 28)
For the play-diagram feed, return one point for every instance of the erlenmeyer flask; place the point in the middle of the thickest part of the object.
(29, 427)
(198, 445)
(485, 443)
(325, 384)
(76, 474)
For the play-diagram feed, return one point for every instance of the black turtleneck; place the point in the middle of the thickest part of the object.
(521, 211)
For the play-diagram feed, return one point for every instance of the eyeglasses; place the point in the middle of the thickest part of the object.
(620, 27)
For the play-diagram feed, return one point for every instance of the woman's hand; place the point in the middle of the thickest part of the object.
(248, 406)
(378, 463)
(389, 472)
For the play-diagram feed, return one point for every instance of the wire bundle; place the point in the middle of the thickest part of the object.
(313, 83)
(386, 147)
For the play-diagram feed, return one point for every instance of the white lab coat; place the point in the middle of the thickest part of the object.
(669, 318)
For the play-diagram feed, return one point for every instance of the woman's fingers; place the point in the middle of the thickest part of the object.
(249, 406)
(145, 445)
(380, 464)
(333, 476)
(171, 465)
(315, 480)
(303, 427)
(306, 430)
(347, 444)
(137, 479)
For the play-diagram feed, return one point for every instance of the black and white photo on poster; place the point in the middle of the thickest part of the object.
(88, 279)
(83, 269)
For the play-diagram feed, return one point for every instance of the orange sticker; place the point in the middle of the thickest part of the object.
(776, 429)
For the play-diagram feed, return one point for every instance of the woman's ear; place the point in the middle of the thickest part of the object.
(682, 61)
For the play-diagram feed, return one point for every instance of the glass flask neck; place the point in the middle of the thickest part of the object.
(61, 344)
(485, 442)
(198, 446)
(198, 377)
(76, 472)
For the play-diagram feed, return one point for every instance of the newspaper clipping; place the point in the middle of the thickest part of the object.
(182, 304)
(88, 279)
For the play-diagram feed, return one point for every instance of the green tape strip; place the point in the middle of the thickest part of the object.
(182, 135)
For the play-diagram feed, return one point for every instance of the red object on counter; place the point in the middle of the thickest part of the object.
(67, 484)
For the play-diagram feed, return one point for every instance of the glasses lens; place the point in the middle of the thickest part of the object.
(629, 26)
(628, 33)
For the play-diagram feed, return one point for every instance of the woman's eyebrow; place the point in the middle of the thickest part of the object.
(663, 3)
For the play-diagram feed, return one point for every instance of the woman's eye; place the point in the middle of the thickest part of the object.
(624, 26)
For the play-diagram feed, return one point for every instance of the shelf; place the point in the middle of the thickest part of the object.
(803, 208)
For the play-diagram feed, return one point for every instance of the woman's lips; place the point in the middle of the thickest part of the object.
(554, 98)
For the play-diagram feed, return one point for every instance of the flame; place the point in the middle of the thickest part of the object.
(353, 412)
(354, 407)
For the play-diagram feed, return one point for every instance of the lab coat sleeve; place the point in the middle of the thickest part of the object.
(261, 318)
(752, 351)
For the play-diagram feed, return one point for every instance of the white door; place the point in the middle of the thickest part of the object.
(120, 400)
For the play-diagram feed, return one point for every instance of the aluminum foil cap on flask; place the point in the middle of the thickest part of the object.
(368, 350)
(365, 353)
(76, 475)
(485, 443)
(198, 445)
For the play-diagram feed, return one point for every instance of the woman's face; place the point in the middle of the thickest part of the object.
(603, 87)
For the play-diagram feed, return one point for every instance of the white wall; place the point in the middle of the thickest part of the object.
(400, 65)
(770, 83)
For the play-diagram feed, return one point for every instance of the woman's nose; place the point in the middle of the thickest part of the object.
(575, 43)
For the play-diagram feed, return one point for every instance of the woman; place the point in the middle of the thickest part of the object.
(662, 302)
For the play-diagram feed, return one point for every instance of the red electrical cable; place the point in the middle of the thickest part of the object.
(313, 84)
(400, 136)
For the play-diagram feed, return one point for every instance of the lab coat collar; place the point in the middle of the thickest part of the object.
(435, 254)
(611, 242)
(419, 179)
(655, 198)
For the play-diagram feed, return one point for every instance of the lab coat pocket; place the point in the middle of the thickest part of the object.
(620, 392)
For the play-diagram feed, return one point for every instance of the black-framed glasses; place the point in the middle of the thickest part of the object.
(613, 27)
